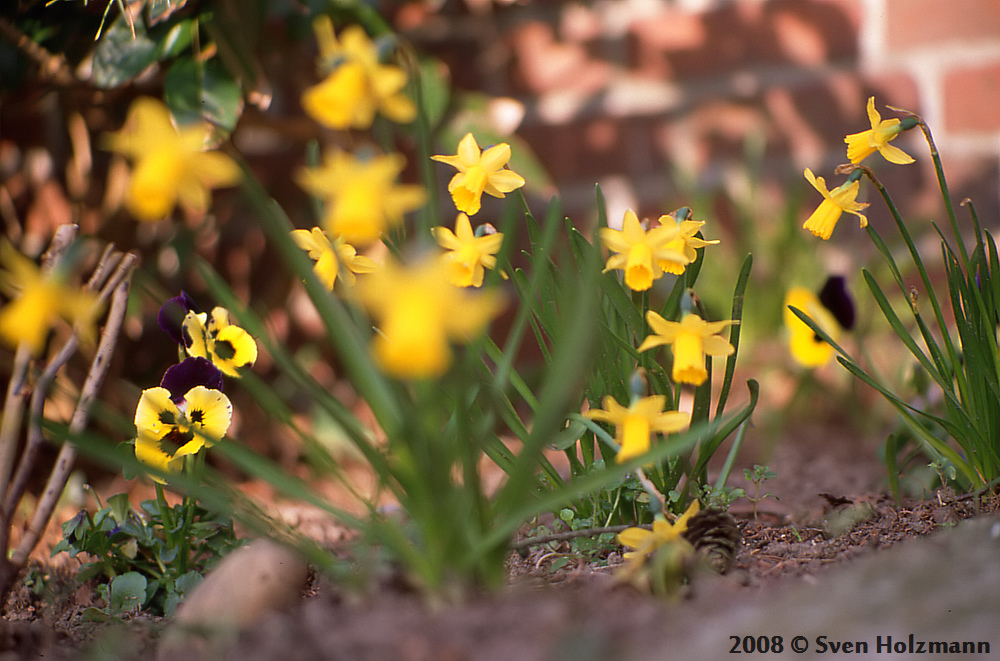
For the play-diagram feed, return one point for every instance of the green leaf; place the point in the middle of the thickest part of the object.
(120, 56)
(93, 614)
(120, 507)
(203, 92)
(127, 593)
(187, 582)
(160, 10)
(435, 89)
(567, 437)
(734, 333)
(176, 40)
(167, 555)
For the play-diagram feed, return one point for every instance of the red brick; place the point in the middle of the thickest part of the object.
(890, 87)
(971, 98)
(578, 149)
(744, 35)
(913, 23)
(545, 63)
(810, 32)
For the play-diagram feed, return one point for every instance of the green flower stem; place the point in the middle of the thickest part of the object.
(918, 262)
(529, 296)
(187, 511)
(640, 299)
(943, 185)
(167, 514)
(727, 467)
(425, 216)
(654, 494)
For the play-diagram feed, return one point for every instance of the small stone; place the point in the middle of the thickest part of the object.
(250, 581)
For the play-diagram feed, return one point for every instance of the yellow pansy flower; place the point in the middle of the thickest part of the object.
(362, 197)
(635, 425)
(843, 198)
(166, 431)
(862, 145)
(171, 165)
(229, 347)
(467, 254)
(692, 338)
(479, 172)
(330, 255)
(418, 311)
(357, 85)
(38, 300)
(807, 348)
(639, 253)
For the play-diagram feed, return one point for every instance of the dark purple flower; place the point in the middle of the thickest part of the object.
(837, 299)
(180, 378)
(172, 313)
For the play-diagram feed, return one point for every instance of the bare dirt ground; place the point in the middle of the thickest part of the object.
(833, 560)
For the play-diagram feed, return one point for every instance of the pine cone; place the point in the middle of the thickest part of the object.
(715, 535)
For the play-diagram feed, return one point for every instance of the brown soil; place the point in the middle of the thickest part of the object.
(579, 611)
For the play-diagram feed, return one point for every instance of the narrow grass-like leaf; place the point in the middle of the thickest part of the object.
(343, 334)
(734, 333)
(906, 412)
(712, 443)
(904, 336)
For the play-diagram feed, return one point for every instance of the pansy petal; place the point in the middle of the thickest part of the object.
(155, 412)
(210, 413)
(191, 372)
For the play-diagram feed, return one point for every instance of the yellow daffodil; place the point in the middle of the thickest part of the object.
(807, 348)
(171, 164)
(685, 243)
(418, 311)
(357, 85)
(639, 253)
(362, 196)
(166, 432)
(646, 542)
(229, 347)
(330, 255)
(479, 172)
(862, 145)
(37, 300)
(692, 339)
(835, 202)
(635, 425)
(467, 254)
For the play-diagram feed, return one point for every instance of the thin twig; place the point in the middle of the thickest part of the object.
(17, 393)
(571, 534)
(10, 426)
(67, 454)
(52, 66)
(35, 437)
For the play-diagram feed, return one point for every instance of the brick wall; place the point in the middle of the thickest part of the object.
(654, 98)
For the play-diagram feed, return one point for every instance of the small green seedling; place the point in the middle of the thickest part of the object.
(757, 476)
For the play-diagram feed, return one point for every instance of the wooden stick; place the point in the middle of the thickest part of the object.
(67, 454)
